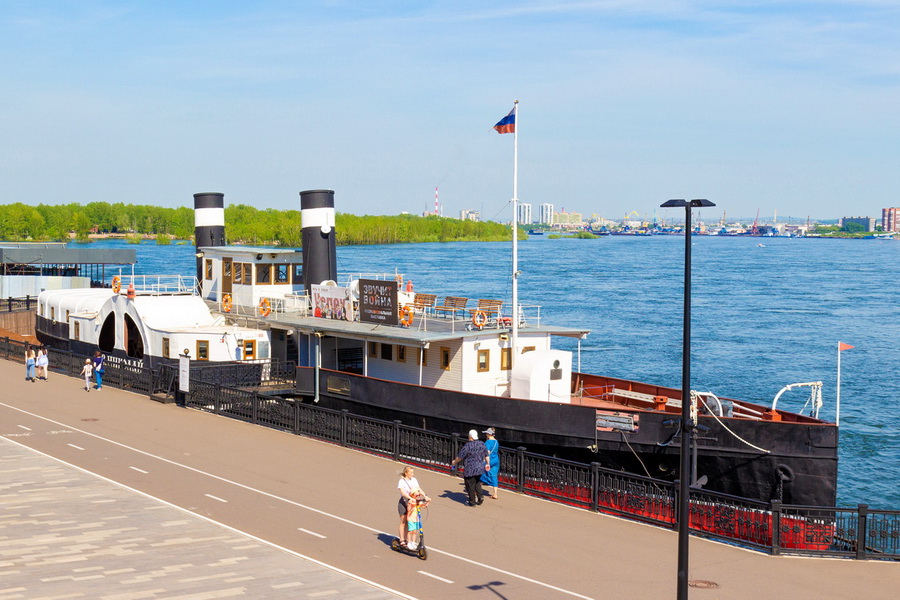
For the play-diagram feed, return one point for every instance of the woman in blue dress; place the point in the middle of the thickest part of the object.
(490, 477)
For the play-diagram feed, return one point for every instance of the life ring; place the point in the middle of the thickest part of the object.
(406, 315)
(226, 302)
(479, 319)
(265, 308)
(116, 284)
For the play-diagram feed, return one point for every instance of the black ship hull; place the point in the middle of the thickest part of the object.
(794, 462)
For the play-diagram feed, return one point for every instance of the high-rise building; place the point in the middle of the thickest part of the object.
(890, 219)
(867, 223)
(469, 215)
(546, 214)
(524, 214)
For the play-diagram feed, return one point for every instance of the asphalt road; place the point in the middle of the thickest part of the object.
(306, 501)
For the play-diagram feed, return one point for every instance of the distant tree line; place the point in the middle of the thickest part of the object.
(244, 224)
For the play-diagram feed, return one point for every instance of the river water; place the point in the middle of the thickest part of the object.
(765, 312)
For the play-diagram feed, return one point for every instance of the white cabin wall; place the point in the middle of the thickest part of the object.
(495, 381)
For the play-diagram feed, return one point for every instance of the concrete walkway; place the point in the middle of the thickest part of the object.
(253, 502)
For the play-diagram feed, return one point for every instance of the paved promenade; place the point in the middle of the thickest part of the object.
(65, 533)
(112, 495)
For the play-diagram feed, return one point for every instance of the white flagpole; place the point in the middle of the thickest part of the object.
(515, 241)
(837, 416)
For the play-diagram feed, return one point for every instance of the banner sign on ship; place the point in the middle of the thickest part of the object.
(331, 302)
(378, 301)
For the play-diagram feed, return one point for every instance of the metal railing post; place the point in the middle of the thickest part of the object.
(395, 450)
(776, 527)
(344, 413)
(861, 532)
(520, 469)
(595, 486)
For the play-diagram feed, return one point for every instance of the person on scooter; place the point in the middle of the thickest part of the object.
(409, 490)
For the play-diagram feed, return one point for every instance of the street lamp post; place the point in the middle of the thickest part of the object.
(687, 426)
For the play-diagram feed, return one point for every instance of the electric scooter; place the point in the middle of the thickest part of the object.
(416, 548)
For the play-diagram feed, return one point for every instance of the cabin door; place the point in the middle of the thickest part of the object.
(226, 275)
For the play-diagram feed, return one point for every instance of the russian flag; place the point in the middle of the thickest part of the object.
(508, 123)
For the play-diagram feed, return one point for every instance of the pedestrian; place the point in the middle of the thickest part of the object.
(475, 461)
(30, 362)
(43, 362)
(491, 476)
(98, 369)
(87, 370)
(410, 493)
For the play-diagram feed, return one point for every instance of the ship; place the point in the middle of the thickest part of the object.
(373, 347)
(370, 345)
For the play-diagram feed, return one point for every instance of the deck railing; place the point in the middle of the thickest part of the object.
(237, 391)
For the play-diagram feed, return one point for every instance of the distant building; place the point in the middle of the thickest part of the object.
(890, 219)
(546, 214)
(564, 219)
(469, 215)
(524, 216)
(868, 223)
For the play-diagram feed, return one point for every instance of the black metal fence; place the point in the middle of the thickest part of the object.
(860, 532)
(17, 304)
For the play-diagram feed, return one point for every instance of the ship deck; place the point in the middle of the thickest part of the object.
(423, 331)
(212, 507)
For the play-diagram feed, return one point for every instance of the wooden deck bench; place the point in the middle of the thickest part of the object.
(452, 305)
(423, 302)
(490, 308)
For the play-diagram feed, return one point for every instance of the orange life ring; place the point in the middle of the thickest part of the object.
(116, 284)
(226, 302)
(406, 315)
(265, 308)
(479, 319)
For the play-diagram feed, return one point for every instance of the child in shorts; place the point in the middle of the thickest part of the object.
(87, 370)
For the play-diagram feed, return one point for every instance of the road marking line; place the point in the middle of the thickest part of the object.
(287, 501)
(139, 470)
(427, 574)
(318, 535)
(76, 447)
(25, 428)
(215, 498)
(207, 519)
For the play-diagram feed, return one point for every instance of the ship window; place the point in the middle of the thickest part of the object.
(249, 349)
(77, 335)
(226, 268)
(67, 316)
(208, 269)
(484, 361)
(387, 352)
(238, 273)
(445, 358)
(248, 273)
(52, 313)
(528, 349)
(202, 349)
(281, 273)
(165, 347)
(505, 359)
(298, 274)
(422, 358)
(401, 353)
(373, 349)
(264, 273)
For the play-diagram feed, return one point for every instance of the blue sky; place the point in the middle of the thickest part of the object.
(757, 105)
